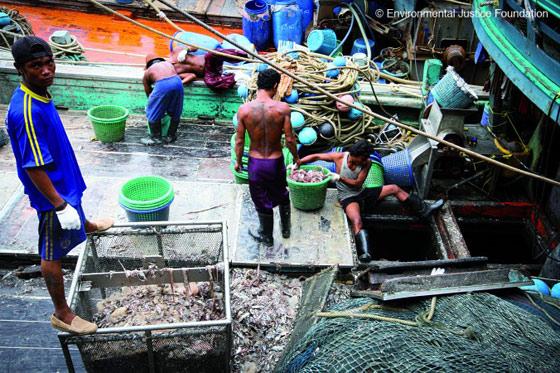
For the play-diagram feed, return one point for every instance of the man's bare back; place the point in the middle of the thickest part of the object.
(265, 120)
(155, 72)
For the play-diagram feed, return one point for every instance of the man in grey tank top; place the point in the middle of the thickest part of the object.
(353, 167)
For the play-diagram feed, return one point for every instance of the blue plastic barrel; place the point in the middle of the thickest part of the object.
(359, 46)
(256, 24)
(194, 38)
(306, 7)
(286, 22)
(321, 41)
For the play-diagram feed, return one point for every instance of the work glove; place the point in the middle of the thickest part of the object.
(437, 271)
(335, 177)
(69, 218)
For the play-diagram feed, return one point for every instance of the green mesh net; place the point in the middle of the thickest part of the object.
(468, 332)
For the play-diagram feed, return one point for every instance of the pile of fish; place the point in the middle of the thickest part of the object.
(307, 176)
(160, 304)
(264, 306)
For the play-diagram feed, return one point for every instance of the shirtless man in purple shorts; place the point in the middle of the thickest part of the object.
(266, 120)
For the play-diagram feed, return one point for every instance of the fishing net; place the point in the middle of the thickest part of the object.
(469, 332)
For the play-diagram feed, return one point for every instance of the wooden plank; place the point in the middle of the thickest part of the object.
(147, 277)
(215, 7)
(391, 266)
(420, 283)
(230, 9)
(440, 291)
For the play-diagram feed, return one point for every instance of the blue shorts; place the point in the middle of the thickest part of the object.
(167, 97)
(55, 242)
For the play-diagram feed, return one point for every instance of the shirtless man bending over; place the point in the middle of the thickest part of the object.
(266, 120)
(166, 96)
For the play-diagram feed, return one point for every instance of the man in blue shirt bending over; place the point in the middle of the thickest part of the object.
(48, 169)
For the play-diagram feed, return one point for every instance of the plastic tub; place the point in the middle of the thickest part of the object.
(359, 46)
(146, 193)
(108, 122)
(321, 41)
(257, 25)
(286, 22)
(398, 168)
(157, 214)
(308, 196)
(193, 38)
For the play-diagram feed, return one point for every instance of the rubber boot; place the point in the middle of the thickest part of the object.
(422, 208)
(155, 137)
(285, 220)
(172, 131)
(362, 246)
(264, 233)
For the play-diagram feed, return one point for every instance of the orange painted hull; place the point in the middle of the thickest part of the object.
(107, 32)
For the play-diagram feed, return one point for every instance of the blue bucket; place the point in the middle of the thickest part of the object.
(257, 24)
(398, 168)
(194, 38)
(359, 46)
(322, 41)
(159, 214)
(286, 22)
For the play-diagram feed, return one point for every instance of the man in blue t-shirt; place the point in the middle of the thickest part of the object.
(50, 174)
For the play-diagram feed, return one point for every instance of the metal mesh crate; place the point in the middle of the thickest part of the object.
(183, 252)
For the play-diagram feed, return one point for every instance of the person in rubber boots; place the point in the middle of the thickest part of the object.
(49, 172)
(165, 96)
(266, 120)
(352, 170)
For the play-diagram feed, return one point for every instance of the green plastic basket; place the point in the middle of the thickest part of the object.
(374, 178)
(239, 177)
(108, 122)
(308, 196)
(247, 142)
(146, 193)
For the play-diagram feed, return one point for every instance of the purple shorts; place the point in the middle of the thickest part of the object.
(267, 183)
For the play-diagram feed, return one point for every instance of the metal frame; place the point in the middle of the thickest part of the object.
(66, 339)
